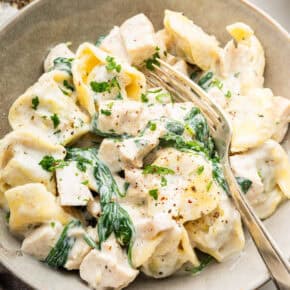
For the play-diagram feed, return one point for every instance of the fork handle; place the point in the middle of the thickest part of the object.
(277, 265)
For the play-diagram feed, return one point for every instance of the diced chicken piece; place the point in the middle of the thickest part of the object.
(114, 44)
(163, 40)
(60, 50)
(268, 168)
(139, 38)
(245, 60)
(109, 154)
(281, 107)
(39, 242)
(190, 41)
(121, 117)
(137, 190)
(72, 188)
(133, 150)
(80, 248)
(108, 268)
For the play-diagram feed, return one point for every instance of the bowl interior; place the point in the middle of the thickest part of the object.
(25, 42)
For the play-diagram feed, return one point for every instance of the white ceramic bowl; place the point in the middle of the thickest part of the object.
(25, 41)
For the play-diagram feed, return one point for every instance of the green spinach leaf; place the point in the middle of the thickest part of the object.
(244, 183)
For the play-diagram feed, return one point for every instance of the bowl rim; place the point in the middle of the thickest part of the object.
(7, 25)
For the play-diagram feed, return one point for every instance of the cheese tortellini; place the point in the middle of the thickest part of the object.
(106, 174)
(20, 154)
(45, 108)
(268, 168)
(96, 81)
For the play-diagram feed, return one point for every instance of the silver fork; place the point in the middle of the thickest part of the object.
(183, 89)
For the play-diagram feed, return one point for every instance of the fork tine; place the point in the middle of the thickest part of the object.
(179, 96)
(157, 81)
(187, 94)
(187, 82)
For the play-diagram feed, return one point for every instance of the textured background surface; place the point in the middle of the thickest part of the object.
(278, 9)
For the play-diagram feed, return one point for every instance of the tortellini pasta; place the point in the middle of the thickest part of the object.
(20, 154)
(46, 110)
(94, 81)
(31, 204)
(219, 233)
(268, 168)
(190, 41)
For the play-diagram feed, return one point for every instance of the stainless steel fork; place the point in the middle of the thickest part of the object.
(183, 89)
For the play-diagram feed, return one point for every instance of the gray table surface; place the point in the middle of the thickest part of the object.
(278, 9)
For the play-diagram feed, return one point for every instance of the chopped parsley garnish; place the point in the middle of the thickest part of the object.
(55, 120)
(216, 83)
(153, 60)
(209, 185)
(144, 98)
(200, 170)
(244, 184)
(106, 112)
(163, 97)
(35, 103)
(154, 193)
(112, 65)
(48, 163)
(228, 94)
(101, 87)
(119, 96)
(152, 126)
(163, 181)
(85, 182)
(154, 169)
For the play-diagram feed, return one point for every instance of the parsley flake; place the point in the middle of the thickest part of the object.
(228, 94)
(144, 98)
(154, 193)
(48, 163)
(200, 170)
(152, 126)
(55, 120)
(106, 112)
(101, 87)
(35, 103)
(163, 181)
(153, 60)
(112, 65)
(154, 169)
